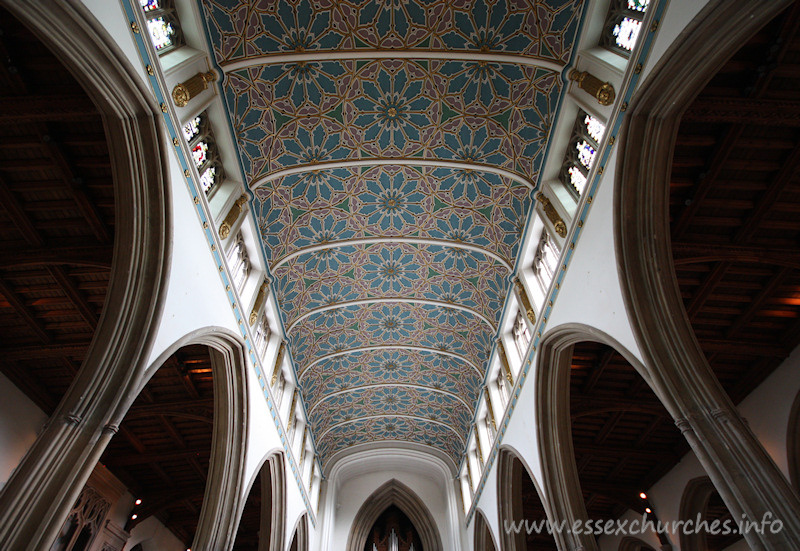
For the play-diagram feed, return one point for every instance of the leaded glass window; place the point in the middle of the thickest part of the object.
(280, 388)
(261, 337)
(545, 262)
(582, 151)
(522, 334)
(623, 24)
(162, 24)
(239, 261)
(205, 155)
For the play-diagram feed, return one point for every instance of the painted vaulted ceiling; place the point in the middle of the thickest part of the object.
(393, 148)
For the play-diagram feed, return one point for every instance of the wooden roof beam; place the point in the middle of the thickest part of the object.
(32, 108)
(706, 179)
(25, 313)
(96, 256)
(620, 451)
(156, 457)
(759, 112)
(766, 200)
(18, 215)
(765, 294)
(74, 295)
(597, 371)
(744, 347)
(692, 253)
(76, 189)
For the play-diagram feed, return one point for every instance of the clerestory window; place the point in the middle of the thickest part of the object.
(580, 156)
(205, 154)
(623, 24)
(162, 24)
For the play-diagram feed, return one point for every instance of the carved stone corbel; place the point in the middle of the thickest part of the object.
(489, 408)
(232, 216)
(501, 353)
(525, 302)
(260, 297)
(278, 361)
(552, 214)
(603, 92)
(185, 91)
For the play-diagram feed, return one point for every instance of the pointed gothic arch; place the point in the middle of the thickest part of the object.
(554, 425)
(698, 501)
(222, 490)
(397, 493)
(512, 501)
(269, 482)
(484, 539)
(300, 537)
(746, 477)
(38, 497)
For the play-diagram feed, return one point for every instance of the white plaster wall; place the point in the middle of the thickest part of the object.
(590, 292)
(195, 297)
(20, 422)
(154, 536)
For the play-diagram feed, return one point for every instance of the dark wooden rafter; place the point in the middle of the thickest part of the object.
(16, 212)
(692, 253)
(26, 313)
(64, 253)
(622, 435)
(75, 296)
(744, 111)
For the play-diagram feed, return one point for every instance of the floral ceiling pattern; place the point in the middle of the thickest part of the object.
(393, 150)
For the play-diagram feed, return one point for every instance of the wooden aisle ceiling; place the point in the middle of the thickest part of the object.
(734, 206)
(163, 447)
(56, 217)
(56, 247)
(624, 439)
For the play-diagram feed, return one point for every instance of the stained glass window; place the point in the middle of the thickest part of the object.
(584, 144)
(191, 129)
(623, 23)
(200, 153)
(162, 24)
(205, 154)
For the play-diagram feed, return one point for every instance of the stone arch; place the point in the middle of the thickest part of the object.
(397, 493)
(223, 495)
(793, 443)
(272, 484)
(38, 497)
(554, 425)
(693, 503)
(629, 543)
(300, 537)
(510, 468)
(747, 479)
(484, 539)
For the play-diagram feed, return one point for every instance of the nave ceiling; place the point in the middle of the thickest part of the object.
(393, 150)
